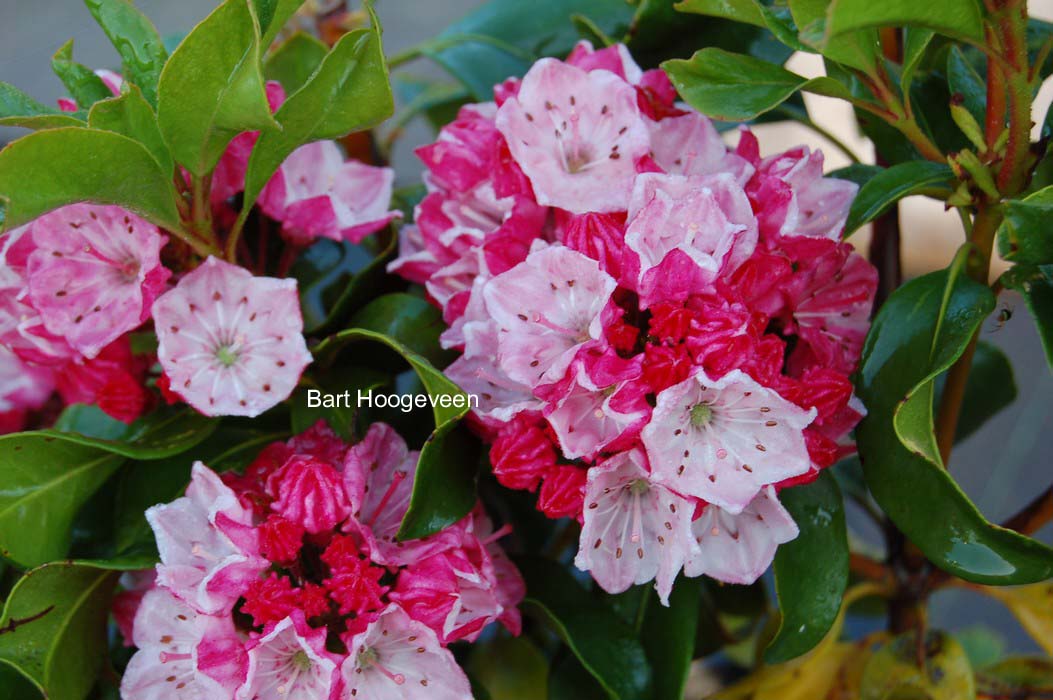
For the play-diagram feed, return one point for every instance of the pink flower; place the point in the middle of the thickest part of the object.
(354, 583)
(689, 145)
(207, 547)
(463, 155)
(94, 273)
(113, 381)
(23, 386)
(724, 440)
(310, 493)
(231, 343)
(635, 529)
(739, 548)
(174, 658)
(281, 539)
(546, 308)
(290, 662)
(687, 231)
(228, 179)
(576, 134)
(522, 454)
(397, 657)
(815, 206)
(563, 491)
(316, 193)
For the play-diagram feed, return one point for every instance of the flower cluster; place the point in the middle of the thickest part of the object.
(78, 282)
(287, 581)
(660, 330)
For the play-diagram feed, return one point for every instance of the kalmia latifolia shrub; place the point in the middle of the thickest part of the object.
(660, 330)
(287, 581)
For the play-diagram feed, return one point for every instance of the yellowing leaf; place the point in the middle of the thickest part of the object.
(893, 671)
(1033, 607)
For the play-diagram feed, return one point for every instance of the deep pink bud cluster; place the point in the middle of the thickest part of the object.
(287, 581)
(660, 330)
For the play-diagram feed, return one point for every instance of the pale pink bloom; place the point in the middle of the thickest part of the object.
(615, 59)
(207, 544)
(546, 308)
(176, 657)
(231, 344)
(689, 145)
(706, 220)
(228, 178)
(635, 529)
(724, 440)
(23, 386)
(510, 586)
(316, 193)
(94, 273)
(398, 658)
(739, 548)
(290, 663)
(576, 134)
(819, 205)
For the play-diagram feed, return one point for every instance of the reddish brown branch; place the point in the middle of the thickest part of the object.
(1034, 515)
(14, 624)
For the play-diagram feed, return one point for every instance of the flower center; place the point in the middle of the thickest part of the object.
(701, 414)
(369, 657)
(226, 355)
(301, 661)
(639, 486)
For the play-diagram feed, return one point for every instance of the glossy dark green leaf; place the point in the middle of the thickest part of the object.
(49, 169)
(963, 79)
(668, 637)
(294, 61)
(144, 484)
(915, 43)
(811, 572)
(886, 188)
(893, 671)
(752, 12)
(409, 319)
(61, 644)
(444, 486)
(958, 18)
(735, 87)
(19, 109)
(920, 331)
(990, 388)
(84, 86)
(1035, 283)
(605, 646)
(335, 279)
(132, 116)
(502, 38)
(510, 669)
(859, 49)
(15, 686)
(142, 52)
(348, 92)
(859, 173)
(569, 680)
(337, 380)
(45, 482)
(1024, 235)
(212, 88)
(163, 433)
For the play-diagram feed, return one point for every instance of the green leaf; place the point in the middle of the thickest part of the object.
(49, 169)
(668, 636)
(857, 49)
(510, 669)
(920, 331)
(444, 486)
(163, 433)
(60, 643)
(132, 116)
(605, 646)
(46, 479)
(15, 686)
(915, 42)
(811, 572)
(990, 388)
(279, 12)
(1024, 235)
(19, 109)
(348, 92)
(1019, 676)
(142, 52)
(294, 61)
(212, 88)
(1035, 283)
(410, 320)
(335, 279)
(84, 86)
(351, 379)
(569, 680)
(750, 12)
(957, 18)
(963, 79)
(502, 38)
(735, 87)
(893, 671)
(886, 188)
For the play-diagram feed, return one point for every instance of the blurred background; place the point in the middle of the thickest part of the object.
(1002, 466)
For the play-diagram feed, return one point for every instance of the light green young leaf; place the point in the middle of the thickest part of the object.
(142, 52)
(19, 109)
(84, 86)
(132, 116)
(59, 643)
(294, 61)
(212, 88)
(956, 18)
(735, 87)
(49, 169)
(893, 184)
